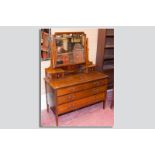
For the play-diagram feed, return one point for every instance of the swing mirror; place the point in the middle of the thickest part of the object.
(70, 48)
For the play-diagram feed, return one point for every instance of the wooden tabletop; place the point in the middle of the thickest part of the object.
(71, 80)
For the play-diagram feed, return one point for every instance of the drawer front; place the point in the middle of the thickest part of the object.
(90, 100)
(80, 87)
(65, 108)
(80, 103)
(81, 94)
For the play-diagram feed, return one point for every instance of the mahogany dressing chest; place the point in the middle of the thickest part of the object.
(72, 81)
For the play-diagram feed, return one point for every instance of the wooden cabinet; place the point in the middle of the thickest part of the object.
(76, 91)
(105, 54)
(72, 82)
(45, 44)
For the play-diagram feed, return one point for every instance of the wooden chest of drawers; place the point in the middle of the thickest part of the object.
(75, 91)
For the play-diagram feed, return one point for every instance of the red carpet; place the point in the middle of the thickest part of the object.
(92, 116)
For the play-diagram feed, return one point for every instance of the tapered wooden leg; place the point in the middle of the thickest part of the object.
(57, 120)
(112, 106)
(112, 102)
(104, 102)
(47, 107)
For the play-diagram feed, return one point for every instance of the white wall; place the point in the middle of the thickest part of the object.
(92, 34)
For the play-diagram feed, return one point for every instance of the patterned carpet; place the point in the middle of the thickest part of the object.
(92, 116)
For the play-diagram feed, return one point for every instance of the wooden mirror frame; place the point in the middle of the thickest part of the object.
(54, 50)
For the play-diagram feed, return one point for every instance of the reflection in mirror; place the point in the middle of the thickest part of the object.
(70, 49)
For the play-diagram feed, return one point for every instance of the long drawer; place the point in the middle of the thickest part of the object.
(80, 103)
(76, 88)
(81, 94)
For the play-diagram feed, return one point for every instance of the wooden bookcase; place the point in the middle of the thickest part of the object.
(105, 54)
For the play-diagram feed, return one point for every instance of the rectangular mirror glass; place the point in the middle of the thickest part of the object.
(70, 49)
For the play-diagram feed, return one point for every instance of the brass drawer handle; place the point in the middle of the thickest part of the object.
(72, 106)
(97, 83)
(95, 90)
(71, 97)
(95, 97)
(73, 89)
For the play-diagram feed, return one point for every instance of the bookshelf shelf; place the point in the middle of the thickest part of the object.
(109, 46)
(110, 35)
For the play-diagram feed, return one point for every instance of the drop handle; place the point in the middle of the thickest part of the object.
(72, 106)
(95, 91)
(81, 78)
(72, 89)
(71, 97)
(97, 83)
